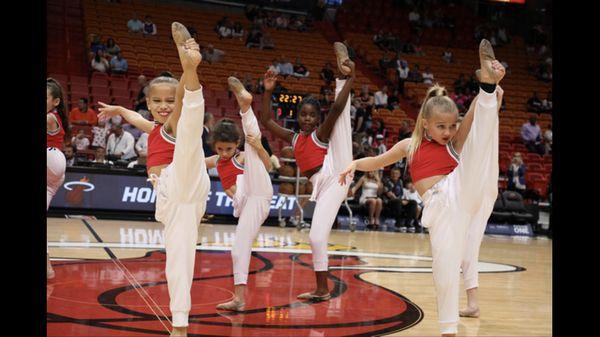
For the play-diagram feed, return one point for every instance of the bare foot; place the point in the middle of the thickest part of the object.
(233, 305)
(179, 332)
(242, 95)
(341, 53)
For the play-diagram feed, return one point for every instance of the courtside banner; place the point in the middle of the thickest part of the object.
(96, 190)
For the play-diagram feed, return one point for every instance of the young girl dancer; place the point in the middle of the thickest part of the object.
(321, 152)
(245, 178)
(451, 187)
(176, 167)
(57, 126)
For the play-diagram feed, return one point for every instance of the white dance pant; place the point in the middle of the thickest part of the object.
(56, 164)
(251, 202)
(328, 193)
(453, 203)
(182, 191)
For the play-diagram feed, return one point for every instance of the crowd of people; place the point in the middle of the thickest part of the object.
(106, 56)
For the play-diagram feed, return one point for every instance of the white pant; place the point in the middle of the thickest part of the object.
(327, 191)
(182, 191)
(56, 164)
(251, 202)
(454, 203)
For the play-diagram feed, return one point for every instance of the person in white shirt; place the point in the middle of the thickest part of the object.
(141, 146)
(381, 97)
(120, 143)
(427, 76)
(414, 17)
(135, 25)
(285, 67)
(410, 193)
(80, 141)
(548, 139)
(100, 133)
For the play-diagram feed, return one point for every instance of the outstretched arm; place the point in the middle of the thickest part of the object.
(325, 129)
(265, 115)
(132, 117)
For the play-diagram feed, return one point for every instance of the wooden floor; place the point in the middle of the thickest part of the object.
(513, 303)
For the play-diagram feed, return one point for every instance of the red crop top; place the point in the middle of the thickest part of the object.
(432, 159)
(228, 171)
(161, 147)
(57, 138)
(309, 151)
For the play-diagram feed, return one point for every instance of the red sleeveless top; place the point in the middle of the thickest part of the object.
(57, 138)
(432, 159)
(228, 171)
(309, 151)
(161, 147)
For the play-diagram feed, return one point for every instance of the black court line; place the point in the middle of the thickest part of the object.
(99, 239)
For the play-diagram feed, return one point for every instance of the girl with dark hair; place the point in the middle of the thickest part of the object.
(245, 178)
(456, 191)
(57, 130)
(322, 150)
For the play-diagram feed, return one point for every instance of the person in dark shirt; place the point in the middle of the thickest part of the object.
(404, 211)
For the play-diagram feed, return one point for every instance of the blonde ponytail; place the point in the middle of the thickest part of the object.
(436, 96)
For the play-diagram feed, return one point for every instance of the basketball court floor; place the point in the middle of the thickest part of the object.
(110, 281)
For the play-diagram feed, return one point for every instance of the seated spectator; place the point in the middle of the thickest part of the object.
(149, 26)
(381, 97)
(534, 103)
(297, 23)
(118, 65)
(120, 144)
(360, 115)
(379, 144)
(516, 174)
(548, 139)
(415, 75)
(403, 210)
(238, 31)
(447, 56)
(135, 25)
(372, 188)
(394, 100)
(547, 103)
(411, 194)
(111, 47)
(403, 71)
(99, 63)
(100, 157)
(531, 136)
(96, 45)
(282, 22)
(460, 99)
(327, 73)
(414, 18)
(80, 141)
(384, 63)
(212, 54)
(225, 30)
(100, 133)
(285, 67)
(71, 155)
(404, 131)
(427, 76)
(82, 114)
(254, 38)
(140, 100)
(266, 41)
(300, 70)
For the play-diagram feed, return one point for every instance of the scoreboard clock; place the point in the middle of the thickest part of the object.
(285, 104)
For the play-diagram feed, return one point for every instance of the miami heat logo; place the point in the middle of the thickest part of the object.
(98, 298)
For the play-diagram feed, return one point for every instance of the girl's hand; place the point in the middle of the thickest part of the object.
(348, 173)
(191, 57)
(348, 63)
(108, 111)
(270, 80)
(254, 141)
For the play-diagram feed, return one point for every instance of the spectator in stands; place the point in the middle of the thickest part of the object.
(282, 22)
(516, 174)
(404, 130)
(427, 76)
(327, 73)
(534, 103)
(414, 18)
(548, 139)
(502, 36)
(368, 102)
(70, 154)
(547, 103)
(459, 99)
(99, 63)
(212, 54)
(149, 26)
(380, 144)
(403, 71)
(238, 30)
(372, 188)
(266, 41)
(111, 47)
(140, 100)
(82, 114)
(393, 100)
(118, 65)
(393, 197)
(96, 45)
(300, 70)
(415, 75)
(411, 194)
(447, 56)
(384, 63)
(100, 133)
(254, 38)
(141, 146)
(225, 30)
(248, 83)
(100, 157)
(135, 132)
(360, 115)
(472, 86)
(140, 161)
(378, 39)
(298, 23)
(285, 67)
(531, 135)
(120, 143)
(460, 83)
(209, 122)
(135, 25)
(80, 141)
(381, 97)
